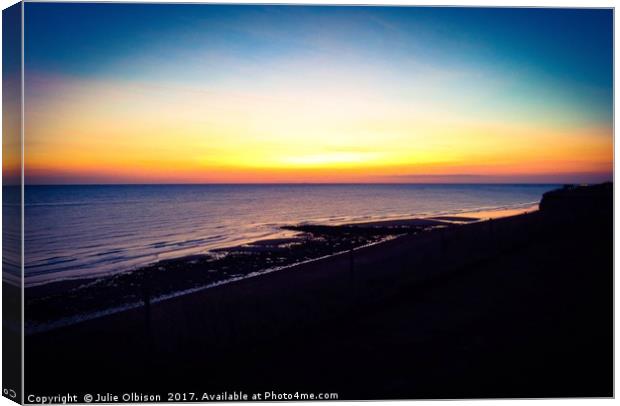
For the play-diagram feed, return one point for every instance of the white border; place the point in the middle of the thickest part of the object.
(447, 3)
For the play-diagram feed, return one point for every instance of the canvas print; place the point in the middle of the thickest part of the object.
(210, 202)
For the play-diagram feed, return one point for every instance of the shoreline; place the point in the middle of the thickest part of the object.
(344, 237)
(489, 212)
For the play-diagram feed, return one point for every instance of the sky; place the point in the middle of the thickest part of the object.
(179, 93)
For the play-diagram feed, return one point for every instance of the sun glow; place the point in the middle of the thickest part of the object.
(332, 159)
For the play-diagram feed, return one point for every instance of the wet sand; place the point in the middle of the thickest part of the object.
(66, 302)
(514, 307)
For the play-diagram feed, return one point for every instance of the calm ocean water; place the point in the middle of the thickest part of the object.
(83, 231)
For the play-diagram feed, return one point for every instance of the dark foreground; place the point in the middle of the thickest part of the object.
(517, 307)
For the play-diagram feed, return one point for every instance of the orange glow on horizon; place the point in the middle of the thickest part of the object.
(105, 132)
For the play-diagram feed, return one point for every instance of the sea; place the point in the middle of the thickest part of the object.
(78, 231)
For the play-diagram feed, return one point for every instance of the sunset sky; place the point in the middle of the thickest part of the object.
(136, 93)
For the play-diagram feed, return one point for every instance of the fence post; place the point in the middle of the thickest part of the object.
(352, 280)
(146, 297)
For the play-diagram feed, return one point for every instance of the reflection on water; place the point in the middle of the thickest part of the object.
(78, 231)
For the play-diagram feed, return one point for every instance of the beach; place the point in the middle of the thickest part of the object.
(121, 243)
(519, 306)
